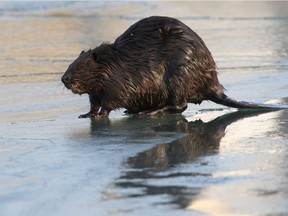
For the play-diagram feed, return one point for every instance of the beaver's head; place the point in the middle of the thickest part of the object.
(88, 72)
(76, 77)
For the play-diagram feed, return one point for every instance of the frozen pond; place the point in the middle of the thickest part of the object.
(211, 160)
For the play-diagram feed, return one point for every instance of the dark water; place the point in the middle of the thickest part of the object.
(211, 160)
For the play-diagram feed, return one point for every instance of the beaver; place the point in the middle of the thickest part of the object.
(157, 65)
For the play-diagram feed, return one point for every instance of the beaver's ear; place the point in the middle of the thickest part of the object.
(96, 57)
(82, 52)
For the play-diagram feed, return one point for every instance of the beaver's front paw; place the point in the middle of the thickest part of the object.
(87, 115)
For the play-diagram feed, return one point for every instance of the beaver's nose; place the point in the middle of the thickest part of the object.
(65, 79)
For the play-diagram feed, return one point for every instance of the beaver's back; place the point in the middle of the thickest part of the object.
(163, 47)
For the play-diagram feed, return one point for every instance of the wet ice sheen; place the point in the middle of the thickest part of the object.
(209, 161)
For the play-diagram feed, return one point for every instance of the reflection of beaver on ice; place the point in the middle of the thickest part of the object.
(157, 66)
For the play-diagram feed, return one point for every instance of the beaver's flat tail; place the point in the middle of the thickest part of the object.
(227, 101)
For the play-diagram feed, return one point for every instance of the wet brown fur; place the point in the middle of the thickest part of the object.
(158, 65)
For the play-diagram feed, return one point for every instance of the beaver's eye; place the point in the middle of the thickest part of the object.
(97, 58)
